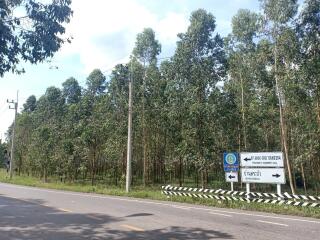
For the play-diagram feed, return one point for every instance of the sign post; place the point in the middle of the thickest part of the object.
(231, 177)
(262, 167)
(279, 189)
(263, 175)
(248, 188)
(231, 167)
(262, 159)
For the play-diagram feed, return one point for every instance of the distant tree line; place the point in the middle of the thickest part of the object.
(258, 89)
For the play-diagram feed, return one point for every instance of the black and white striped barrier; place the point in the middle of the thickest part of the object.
(203, 190)
(199, 195)
(282, 199)
(241, 193)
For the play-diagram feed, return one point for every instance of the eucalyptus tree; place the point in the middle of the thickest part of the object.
(117, 112)
(93, 134)
(3, 153)
(174, 112)
(30, 104)
(156, 121)
(308, 29)
(41, 151)
(69, 150)
(92, 121)
(241, 50)
(146, 50)
(199, 63)
(278, 15)
(23, 137)
(71, 91)
(96, 82)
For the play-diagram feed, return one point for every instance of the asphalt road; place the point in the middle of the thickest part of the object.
(32, 213)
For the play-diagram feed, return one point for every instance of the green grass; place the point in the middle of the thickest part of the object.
(154, 193)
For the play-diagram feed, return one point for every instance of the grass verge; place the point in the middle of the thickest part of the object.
(154, 193)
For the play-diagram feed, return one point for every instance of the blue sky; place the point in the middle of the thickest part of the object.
(104, 34)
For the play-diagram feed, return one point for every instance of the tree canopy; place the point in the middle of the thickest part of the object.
(257, 89)
(33, 36)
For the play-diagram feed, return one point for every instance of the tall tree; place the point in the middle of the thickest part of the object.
(199, 64)
(71, 90)
(146, 51)
(30, 104)
(308, 29)
(245, 25)
(278, 14)
(96, 82)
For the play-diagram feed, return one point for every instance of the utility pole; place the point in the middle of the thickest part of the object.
(129, 146)
(15, 107)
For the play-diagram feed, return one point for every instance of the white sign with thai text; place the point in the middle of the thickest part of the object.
(261, 159)
(263, 175)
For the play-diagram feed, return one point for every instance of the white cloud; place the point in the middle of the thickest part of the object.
(104, 32)
(170, 26)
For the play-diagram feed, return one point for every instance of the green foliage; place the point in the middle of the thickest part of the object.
(279, 11)
(3, 154)
(30, 104)
(245, 25)
(213, 95)
(33, 37)
(71, 91)
(147, 48)
(96, 82)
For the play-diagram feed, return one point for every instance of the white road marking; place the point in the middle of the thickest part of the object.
(273, 223)
(63, 210)
(181, 207)
(267, 216)
(156, 203)
(133, 228)
(220, 214)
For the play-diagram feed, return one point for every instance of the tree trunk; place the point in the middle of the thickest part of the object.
(318, 104)
(303, 178)
(243, 114)
(282, 124)
(93, 168)
(45, 178)
(180, 171)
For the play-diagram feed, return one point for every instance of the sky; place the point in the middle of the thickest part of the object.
(104, 33)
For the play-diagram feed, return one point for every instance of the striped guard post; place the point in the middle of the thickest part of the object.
(273, 198)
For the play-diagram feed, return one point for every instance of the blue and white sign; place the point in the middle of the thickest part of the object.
(231, 162)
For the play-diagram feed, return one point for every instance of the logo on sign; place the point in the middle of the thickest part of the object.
(231, 159)
(230, 162)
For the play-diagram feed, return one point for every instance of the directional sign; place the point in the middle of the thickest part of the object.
(261, 159)
(231, 176)
(263, 175)
(230, 162)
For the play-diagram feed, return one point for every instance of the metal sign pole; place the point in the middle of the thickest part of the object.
(248, 192)
(248, 188)
(231, 183)
(279, 189)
